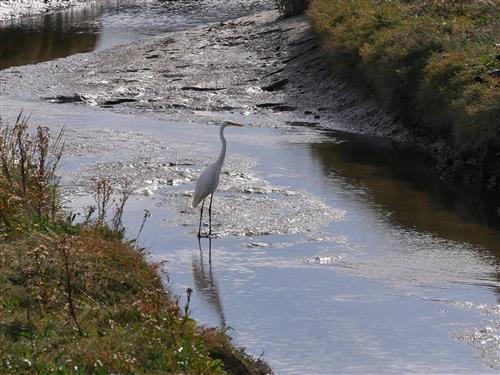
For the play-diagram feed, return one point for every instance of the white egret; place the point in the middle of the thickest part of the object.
(209, 179)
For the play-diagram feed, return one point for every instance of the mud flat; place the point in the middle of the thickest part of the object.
(257, 65)
(253, 65)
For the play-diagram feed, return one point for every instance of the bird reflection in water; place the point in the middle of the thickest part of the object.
(205, 283)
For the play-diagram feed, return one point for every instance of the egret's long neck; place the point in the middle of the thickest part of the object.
(222, 155)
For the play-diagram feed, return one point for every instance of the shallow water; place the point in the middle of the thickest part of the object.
(373, 287)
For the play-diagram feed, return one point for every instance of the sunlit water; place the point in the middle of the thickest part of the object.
(388, 286)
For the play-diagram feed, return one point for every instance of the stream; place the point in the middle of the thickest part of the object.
(335, 252)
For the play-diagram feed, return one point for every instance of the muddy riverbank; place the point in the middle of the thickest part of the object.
(253, 65)
(257, 65)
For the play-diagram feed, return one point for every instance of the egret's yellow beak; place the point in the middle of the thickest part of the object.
(233, 123)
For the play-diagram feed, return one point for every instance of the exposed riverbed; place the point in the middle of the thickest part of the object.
(335, 252)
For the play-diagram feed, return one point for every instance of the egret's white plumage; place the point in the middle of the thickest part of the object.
(207, 182)
(209, 179)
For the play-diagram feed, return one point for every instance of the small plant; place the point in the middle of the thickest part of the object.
(289, 8)
(125, 192)
(110, 200)
(28, 181)
(64, 249)
(102, 197)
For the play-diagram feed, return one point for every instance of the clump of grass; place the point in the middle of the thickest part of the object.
(289, 8)
(92, 304)
(434, 62)
(78, 299)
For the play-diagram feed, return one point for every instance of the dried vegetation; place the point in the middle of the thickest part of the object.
(434, 62)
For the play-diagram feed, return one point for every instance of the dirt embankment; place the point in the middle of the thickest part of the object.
(272, 68)
(434, 63)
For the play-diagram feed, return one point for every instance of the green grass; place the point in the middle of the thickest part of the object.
(433, 62)
(79, 299)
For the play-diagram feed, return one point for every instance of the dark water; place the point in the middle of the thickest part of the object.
(400, 179)
(41, 38)
(107, 23)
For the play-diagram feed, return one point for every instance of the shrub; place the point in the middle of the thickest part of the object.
(289, 8)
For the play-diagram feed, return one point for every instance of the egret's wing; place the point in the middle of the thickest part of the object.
(198, 195)
(206, 184)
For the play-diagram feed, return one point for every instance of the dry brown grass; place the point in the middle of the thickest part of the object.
(28, 180)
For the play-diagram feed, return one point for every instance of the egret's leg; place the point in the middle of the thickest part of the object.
(201, 216)
(210, 216)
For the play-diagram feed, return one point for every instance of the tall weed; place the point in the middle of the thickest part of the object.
(289, 8)
(28, 182)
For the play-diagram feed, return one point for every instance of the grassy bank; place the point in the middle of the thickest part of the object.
(433, 62)
(78, 298)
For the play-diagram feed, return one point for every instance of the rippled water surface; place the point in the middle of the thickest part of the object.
(394, 279)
